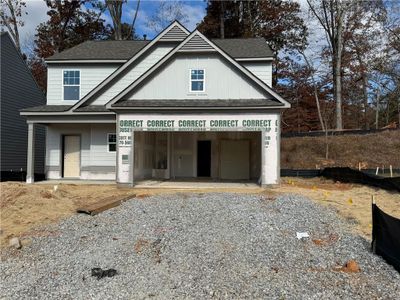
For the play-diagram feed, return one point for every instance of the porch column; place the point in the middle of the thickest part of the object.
(30, 168)
(263, 160)
(125, 158)
(169, 154)
(270, 153)
(132, 159)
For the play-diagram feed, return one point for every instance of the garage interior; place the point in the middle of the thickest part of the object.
(217, 156)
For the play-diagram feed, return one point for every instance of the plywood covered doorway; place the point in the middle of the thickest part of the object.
(235, 159)
(71, 156)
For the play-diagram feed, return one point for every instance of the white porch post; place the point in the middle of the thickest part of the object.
(263, 160)
(132, 160)
(169, 154)
(30, 168)
(270, 153)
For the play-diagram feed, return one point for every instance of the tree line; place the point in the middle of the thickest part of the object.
(336, 61)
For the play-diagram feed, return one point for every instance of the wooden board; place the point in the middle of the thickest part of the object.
(104, 204)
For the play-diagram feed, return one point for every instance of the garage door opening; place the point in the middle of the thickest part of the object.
(203, 158)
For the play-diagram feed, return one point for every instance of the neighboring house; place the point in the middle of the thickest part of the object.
(181, 105)
(18, 90)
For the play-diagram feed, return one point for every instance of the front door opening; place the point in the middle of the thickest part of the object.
(71, 156)
(204, 158)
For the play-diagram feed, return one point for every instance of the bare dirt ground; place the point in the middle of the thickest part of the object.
(351, 201)
(23, 207)
(344, 151)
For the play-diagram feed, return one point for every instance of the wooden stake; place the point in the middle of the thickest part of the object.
(391, 171)
(359, 166)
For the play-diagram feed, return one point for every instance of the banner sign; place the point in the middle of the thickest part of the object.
(193, 125)
(127, 124)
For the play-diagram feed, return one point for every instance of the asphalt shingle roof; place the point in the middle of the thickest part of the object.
(47, 108)
(199, 103)
(245, 48)
(101, 50)
(63, 108)
(206, 103)
(124, 50)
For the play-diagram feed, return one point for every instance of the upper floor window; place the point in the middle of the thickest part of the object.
(197, 80)
(72, 82)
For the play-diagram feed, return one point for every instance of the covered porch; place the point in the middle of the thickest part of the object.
(77, 147)
(215, 147)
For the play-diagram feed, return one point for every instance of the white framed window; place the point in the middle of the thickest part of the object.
(71, 84)
(111, 142)
(197, 80)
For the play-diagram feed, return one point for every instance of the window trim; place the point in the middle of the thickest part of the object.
(62, 84)
(190, 81)
(108, 143)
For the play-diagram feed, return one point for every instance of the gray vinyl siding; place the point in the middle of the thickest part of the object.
(222, 81)
(94, 148)
(18, 90)
(262, 69)
(54, 142)
(99, 155)
(90, 77)
(132, 74)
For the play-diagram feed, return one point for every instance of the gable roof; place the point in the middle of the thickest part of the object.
(121, 51)
(199, 40)
(109, 79)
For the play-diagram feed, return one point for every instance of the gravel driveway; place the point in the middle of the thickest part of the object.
(200, 246)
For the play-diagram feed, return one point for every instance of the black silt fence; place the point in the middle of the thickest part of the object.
(386, 236)
(355, 176)
(307, 173)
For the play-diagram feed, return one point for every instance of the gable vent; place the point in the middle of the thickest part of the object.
(174, 34)
(197, 43)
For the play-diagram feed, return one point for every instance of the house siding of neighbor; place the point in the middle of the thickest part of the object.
(18, 90)
(179, 106)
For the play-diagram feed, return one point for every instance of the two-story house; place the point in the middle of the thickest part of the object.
(178, 106)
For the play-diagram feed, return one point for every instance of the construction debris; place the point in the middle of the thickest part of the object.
(100, 273)
(15, 243)
(104, 204)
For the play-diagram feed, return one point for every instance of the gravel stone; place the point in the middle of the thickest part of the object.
(199, 246)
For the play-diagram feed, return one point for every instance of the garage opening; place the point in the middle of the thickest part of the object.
(203, 158)
(227, 156)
